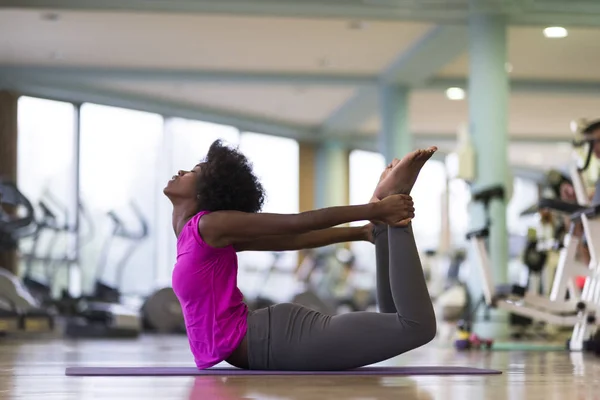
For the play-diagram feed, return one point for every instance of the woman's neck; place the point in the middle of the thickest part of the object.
(182, 213)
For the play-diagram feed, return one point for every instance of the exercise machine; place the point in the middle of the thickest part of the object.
(566, 306)
(162, 313)
(47, 223)
(102, 313)
(103, 291)
(324, 280)
(79, 317)
(514, 298)
(20, 310)
(452, 303)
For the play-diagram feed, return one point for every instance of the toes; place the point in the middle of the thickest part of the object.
(413, 155)
(426, 154)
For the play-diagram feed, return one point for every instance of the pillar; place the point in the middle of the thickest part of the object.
(8, 158)
(307, 168)
(395, 139)
(323, 178)
(331, 175)
(488, 120)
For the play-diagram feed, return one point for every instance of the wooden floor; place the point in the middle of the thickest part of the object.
(32, 369)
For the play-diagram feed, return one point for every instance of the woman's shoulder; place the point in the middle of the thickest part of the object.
(192, 231)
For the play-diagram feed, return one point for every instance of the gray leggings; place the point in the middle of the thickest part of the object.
(292, 337)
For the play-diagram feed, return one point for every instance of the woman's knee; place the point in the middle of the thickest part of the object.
(422, 331)
(428, 329)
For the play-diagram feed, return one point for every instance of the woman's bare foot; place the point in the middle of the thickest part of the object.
(382, 177)
(401, 178)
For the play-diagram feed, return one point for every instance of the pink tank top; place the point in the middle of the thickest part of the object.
(205, 282)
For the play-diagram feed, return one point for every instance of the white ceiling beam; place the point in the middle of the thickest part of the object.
(518, 12)
(94, 74)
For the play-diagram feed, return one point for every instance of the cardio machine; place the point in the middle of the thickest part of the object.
(20, 311)
(515, 298)
(79, 317)
(566, 306)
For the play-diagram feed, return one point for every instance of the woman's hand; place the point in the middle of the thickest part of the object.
(368, 232)
(395, 210)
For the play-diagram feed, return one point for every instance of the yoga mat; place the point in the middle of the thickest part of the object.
(191, 371)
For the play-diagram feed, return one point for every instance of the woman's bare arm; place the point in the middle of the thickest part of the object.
(224, 228)
(309, 240)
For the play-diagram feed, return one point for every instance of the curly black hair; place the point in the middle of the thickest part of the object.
(227, 181)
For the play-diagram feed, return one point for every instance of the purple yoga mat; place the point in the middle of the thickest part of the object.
(191, 371)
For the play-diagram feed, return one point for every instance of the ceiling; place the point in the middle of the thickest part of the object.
(294, 72)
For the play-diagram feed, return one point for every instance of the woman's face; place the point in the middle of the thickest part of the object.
(183, 185)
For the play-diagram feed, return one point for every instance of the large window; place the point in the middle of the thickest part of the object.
(119, 186)
(275, 162)
(45, 170)
(365, 170)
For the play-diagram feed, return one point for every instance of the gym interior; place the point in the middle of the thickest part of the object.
(101, 103)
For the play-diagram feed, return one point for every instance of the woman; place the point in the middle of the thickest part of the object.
(216, 214)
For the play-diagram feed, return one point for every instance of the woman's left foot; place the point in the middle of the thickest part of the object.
(382, 178)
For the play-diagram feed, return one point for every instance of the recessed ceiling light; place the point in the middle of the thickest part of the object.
(555, 32)
(455, 93)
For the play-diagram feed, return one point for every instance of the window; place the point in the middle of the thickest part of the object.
(278, 171)
(459, 200)
(365, 168)
(45, 165)
(118, 172)
(427, 196)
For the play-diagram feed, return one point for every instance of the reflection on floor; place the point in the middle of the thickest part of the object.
(35, 369)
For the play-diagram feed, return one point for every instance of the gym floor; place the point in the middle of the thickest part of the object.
(35, 369)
